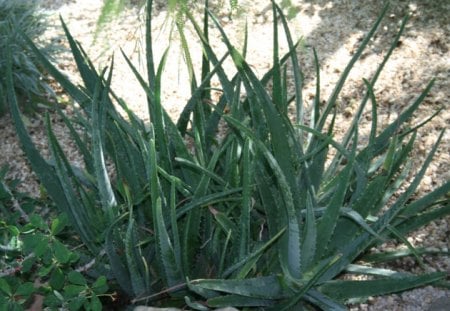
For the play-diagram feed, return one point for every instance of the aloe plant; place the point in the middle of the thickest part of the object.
(26, 17)
(265, 217)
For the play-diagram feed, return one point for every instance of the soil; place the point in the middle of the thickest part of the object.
(334, 29)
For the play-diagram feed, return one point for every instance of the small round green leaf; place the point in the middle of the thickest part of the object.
(57, 279)
(53, 300)
(27, 264)
(62, 253)
(58, 225)
(25, 289)
(76, 278)
(45, 270)
(4, 287)
(73, 290)
(100, 286)
(96, 304)
(77, 303)
(38, 222)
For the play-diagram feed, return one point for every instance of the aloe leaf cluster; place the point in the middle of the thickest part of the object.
(278, 214)
(24, 16)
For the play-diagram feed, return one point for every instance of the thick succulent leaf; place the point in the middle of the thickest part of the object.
(327, 224)
(81, 215)
(398, 205)
(309, 243)
(107, 196)
(195, 99)
(421, 204)
(424, 218)
(298, 75)
(85, 67)
(75, 92)
(205, 171)
(290, 247)
(114, 248)
(266, 287)
(195, 305)
(139, 275)
(239, 301)
(323, 302)
(173, 134)
(244, 221)
(165, 250)
(402, 238)
(149, 46)
(381, 142)
(224, 255)
(226, 223)
(359, 220)
(387, 256)
(308, 282)
(277, 83)
(339, 85)
(225, 83)
(243, 264)
(370, 94)
(217, 197)
(158, 121)
(43, 170)
(82, 146)
(378, 272)
(343, 290)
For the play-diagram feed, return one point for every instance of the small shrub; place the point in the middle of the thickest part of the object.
(22, 16)
(39, 264)
(268, 217)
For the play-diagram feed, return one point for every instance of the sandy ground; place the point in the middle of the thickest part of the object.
(334, 29)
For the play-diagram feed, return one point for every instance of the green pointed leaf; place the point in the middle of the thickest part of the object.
(107, 196)
(134, 260)
(114, 248)
(343, 290)
(172, 271)
(239, 301)
(244, 221)
(334, 95)
(269, 287)
(394, 255)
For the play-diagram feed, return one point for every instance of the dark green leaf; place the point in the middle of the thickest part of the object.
(25, 289)
(57, 279)
(4, 287)
(239, 301)
(73, 290)
(61, 252)
(100, 286)
(76, 278)
(269, 287)
(95, 304)
(343, 290)
(58, 224)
